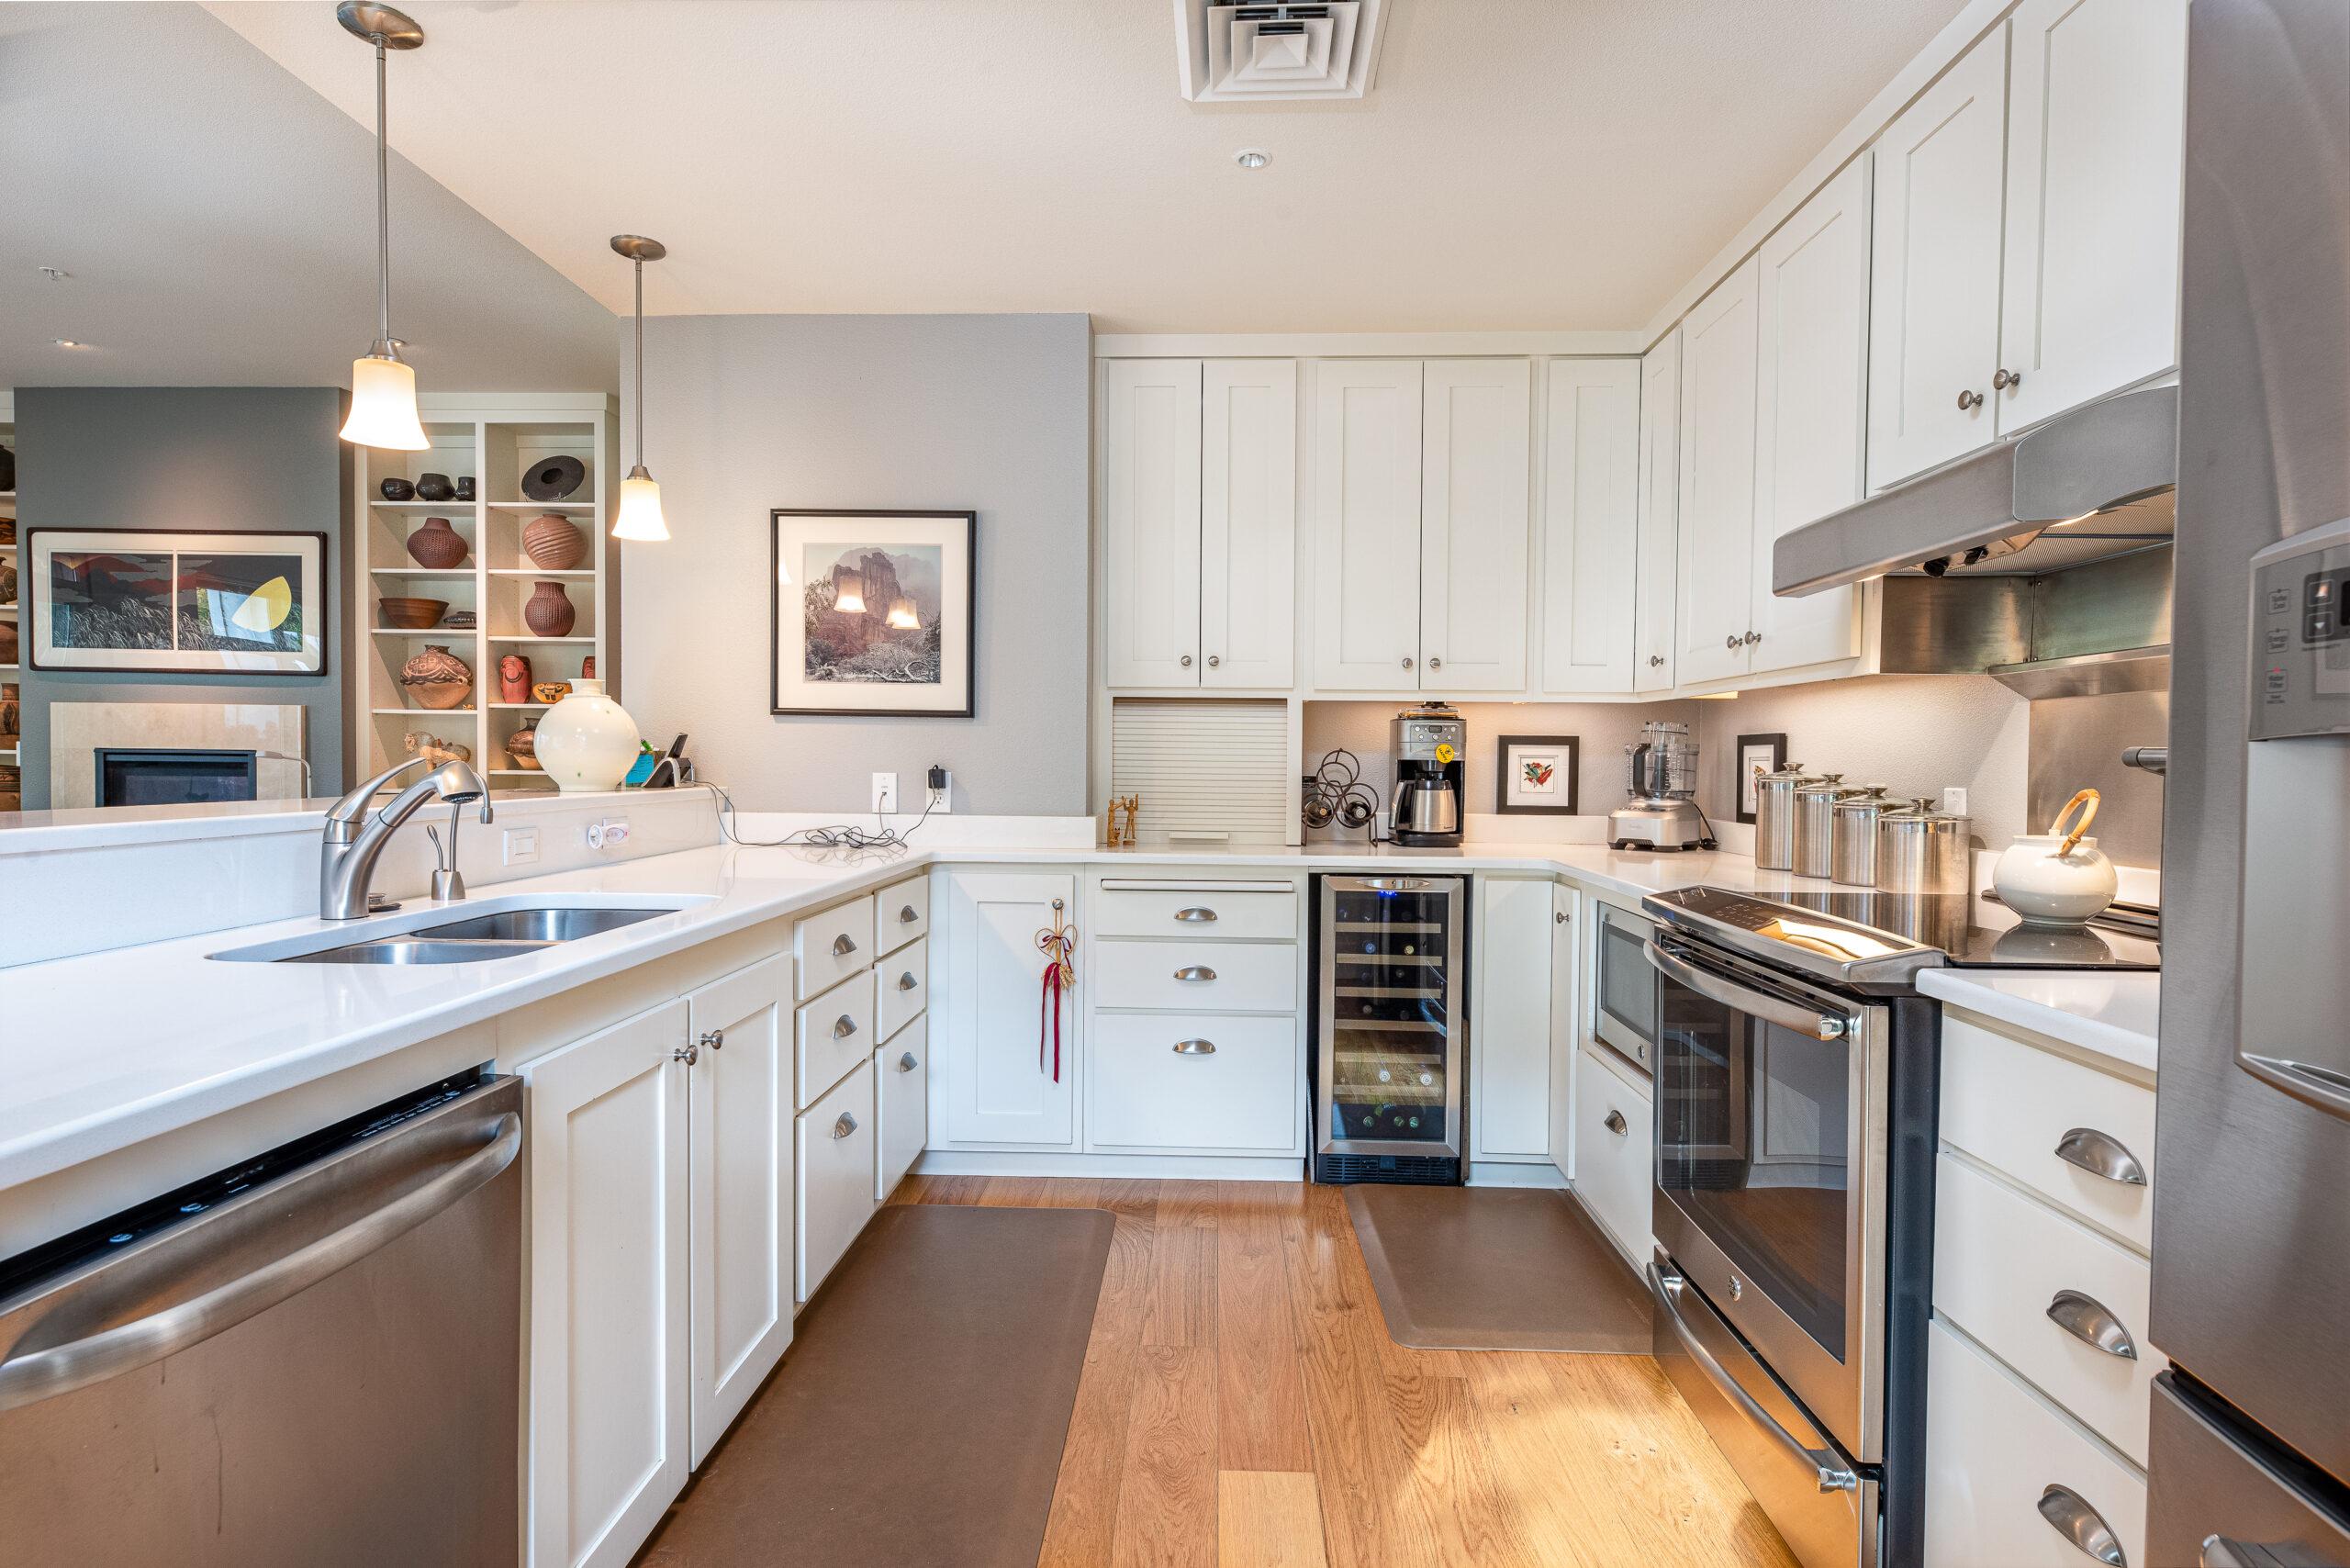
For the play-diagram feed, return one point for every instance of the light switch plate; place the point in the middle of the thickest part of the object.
(1954, 800)
(521, 846)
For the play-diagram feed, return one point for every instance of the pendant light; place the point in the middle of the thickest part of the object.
(382, 390)
(640, 516)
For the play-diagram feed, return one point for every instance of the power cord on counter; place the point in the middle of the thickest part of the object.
(838, 835)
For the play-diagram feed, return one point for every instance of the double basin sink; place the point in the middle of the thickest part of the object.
(497, 932)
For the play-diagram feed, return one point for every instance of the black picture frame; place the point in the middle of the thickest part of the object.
(1741, 771)
(1505, 773)
(315, 595)
(969, 545)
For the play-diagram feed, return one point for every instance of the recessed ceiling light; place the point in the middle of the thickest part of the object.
(72, 343)
(1251, 158)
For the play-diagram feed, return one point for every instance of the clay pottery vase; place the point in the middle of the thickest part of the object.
(587, 741)
(437, 547)
(513, 679)
(434, 488)
(437, 678)
(8, 710)
(523, 747)
(7, 642)
(411, 614)
(587, 668)
(8, 469)
(548, 612)
(466, 487)
(554, 543)
(7, 582)
(550, 691)
(398, 491)
(552, 479)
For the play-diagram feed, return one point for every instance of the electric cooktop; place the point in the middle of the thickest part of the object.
(1870, 939)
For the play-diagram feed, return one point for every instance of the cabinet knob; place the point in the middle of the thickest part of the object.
(1194, 973)
(1195, 1048)
(1970, 399)
(2004, 378)
(1187, 661)
(843, 946)
(1213, 661)
(1407, 661)
(1732, 642)
(844, 1026)
(906, 1063)
(687, 1054)
(714, 1038)
(1752, 638)
(845, 1126)
(906, 981)
(1558, 917)
(1616, 1123)
(1656, 661)
(2070, 1516)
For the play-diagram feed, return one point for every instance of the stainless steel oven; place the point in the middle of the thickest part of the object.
(1624, 1006)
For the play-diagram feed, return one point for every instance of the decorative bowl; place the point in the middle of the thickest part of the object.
(412, 614)
(552, 478)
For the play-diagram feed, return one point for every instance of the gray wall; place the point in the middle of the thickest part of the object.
(232, 460)
(968, 413)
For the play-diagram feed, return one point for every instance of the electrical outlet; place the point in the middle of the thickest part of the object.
(609, 834)
(1954, 800)
(885, 794)
(521, 846)
(941, 787)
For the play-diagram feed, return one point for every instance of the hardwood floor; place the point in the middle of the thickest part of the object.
(1242, 1407)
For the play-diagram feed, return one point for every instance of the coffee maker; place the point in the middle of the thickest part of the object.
(1428, 742)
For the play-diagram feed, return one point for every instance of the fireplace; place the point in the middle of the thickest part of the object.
(172, 776)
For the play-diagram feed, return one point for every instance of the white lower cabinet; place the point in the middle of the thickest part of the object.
(607, 1275)
(2010, 1481)
(1169, 1080)
(836, 1141)
(1614, 1139)
(836, 1032)
(1509, 1033)
(901, 1094)
(993, 1082)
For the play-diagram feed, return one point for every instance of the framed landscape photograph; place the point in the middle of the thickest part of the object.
(1535, 774)
(874, 613)
(169, 601)
(1757, 754)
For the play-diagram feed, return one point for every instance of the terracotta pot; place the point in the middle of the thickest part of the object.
(550, 691)
(523, 747)
(437, 678)
(554, 543)
(437, 547)
(514, 678)
(7, 642)
(548, 612)
(7, 582)
(587, 668)
(8, 713)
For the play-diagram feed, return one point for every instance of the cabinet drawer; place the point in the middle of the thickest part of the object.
(901, 913)
(2011, 1105)
(904, 981)
(901, 1090)
(1253, 977)
(834, 1033)
(834, 1141)
(2000, 1261)
(1993, 1450)
(1613, 1139)
(1241, 1095)
(834, 945)
(1202, 910)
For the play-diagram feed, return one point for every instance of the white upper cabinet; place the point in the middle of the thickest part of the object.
(1366, 524)
(1151, 521)
(1934, 294)
(1591, 540)
(1716, 523)
(1474, 518)
(1811, 410)
(2095, 143)
(1652, 641)
(1248, 523)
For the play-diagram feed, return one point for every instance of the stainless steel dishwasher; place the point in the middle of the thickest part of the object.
(314, 1358)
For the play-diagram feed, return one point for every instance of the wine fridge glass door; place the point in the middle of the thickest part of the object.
(1390, 1006)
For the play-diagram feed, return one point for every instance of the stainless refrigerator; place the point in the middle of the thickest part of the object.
(2250, 1458)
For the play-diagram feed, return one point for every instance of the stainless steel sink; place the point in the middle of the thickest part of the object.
(418, 950)
(538, 925)
(468, 939)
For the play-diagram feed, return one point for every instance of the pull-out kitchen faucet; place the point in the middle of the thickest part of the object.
(356, 837)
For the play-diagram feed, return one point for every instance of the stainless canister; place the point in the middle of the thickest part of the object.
(1814, 802)
(1921, 849)
(1852, 851)
(1775, 817)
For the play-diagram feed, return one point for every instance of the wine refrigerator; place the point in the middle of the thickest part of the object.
(1390, 1029)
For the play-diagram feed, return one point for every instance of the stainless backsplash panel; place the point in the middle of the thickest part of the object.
(2076, 742)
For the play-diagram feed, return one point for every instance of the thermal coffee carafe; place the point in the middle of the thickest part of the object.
(1428, 742)
(1661, 779)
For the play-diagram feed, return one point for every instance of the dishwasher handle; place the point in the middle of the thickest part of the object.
(43, 1374)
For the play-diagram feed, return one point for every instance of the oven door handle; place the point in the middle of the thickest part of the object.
(1827, 1466)
(1762, 1004)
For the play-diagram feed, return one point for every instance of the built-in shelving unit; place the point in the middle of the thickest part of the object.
(12, 756)
(496, 439)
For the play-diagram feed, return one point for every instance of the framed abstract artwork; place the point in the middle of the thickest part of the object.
(874, 613)
(1535, 774)
(1757, 754)
(174, 601)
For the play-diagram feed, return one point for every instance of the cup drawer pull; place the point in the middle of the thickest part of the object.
(906, 981)
(906, 916)
(1195, 1048)
(1195, 973)
(2100, 1154)
(2069, 1515)
(1616, 1123)
(845, 1126)
(844, 1026)
(907, 1063)
(842, 946)
(2088, 1319)
(1195, 916)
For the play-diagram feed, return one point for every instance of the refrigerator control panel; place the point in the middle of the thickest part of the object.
(2300, 635)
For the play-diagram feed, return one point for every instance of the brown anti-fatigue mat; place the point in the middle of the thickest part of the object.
(1496, 1269)
(919, 1415)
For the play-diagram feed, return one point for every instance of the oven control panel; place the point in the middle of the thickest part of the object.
(2300, 635)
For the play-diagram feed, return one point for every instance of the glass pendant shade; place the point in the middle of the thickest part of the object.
(848, 593)
(383, 406)
(902, 614)
(640, 517)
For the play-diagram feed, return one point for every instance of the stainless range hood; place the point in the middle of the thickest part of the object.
(2044, 560)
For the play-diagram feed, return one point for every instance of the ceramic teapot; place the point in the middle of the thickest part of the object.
(2060, 877)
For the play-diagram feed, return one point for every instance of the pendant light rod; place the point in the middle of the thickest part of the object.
(640, 517)
(640, 250)
(386, 29)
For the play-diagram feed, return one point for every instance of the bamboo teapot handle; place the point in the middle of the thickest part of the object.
(2080, 830)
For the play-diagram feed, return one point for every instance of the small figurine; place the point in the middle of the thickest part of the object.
(435, 750)
(514, 678)
(1122, 837)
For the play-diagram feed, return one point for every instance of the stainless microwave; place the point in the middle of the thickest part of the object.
(1626, 1004)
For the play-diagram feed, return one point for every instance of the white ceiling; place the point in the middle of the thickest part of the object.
(217, 219)
(1519, 163)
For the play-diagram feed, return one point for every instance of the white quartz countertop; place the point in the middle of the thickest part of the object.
(2111, 1012)
(103, 1050)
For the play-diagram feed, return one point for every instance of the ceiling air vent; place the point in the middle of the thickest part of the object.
(1230, 53)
